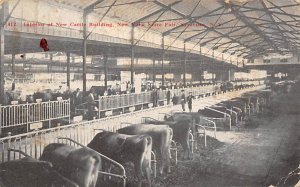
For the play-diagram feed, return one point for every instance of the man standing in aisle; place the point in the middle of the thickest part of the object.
(168, 96)
(190, 101)
(182, 100)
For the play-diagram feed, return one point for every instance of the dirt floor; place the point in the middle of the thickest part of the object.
(260, 152)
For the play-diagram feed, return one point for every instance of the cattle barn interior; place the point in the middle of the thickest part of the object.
(149, 93)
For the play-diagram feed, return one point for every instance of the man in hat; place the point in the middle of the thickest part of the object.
(182, 100)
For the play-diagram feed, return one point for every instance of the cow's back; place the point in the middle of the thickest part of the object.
(79, 165)
(161, 136)
(57, 154)
(107, 143)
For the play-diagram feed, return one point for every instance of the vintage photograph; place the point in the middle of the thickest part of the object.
(149, 93)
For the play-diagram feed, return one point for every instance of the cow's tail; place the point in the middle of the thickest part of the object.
(145, 161)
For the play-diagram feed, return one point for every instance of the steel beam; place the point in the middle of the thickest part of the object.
(3, 15)
(155, 12)
(132, 57)
(68, 69)
(162, 61)
(84, 44)
(184, 66)
(191, 20)
(91, 7)
(13, 65)
(190, 17)
(153, 69)
(105, 59)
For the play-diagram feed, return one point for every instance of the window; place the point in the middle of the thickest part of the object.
(267, 60)
(284, 60)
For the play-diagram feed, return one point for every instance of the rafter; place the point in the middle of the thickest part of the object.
(250, 24)
(156, 12)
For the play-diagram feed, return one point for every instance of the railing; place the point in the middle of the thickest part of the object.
(33, 143)
(107, 103)
(225, 115)
(25, 114)
(103, 157)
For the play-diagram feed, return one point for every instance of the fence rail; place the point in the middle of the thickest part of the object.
(33, 143)
(107, 103)
(25, 114)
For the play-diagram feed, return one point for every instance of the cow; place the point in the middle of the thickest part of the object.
(221, 119)
(29, 172)
(181, 131)
(238, 113)
(226, 110)
(161, 136)
(126, 148)
(237, 105)
(79, 165)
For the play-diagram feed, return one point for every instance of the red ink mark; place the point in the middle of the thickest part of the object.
(44, 44)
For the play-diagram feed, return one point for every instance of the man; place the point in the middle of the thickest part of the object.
(190, 101)
(59, 91)
(168, 96)
(175, 99)
(77, 97)
(154, 97)
(91, 104)
(182, 100)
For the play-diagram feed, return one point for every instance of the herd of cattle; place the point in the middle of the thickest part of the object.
(65, 165)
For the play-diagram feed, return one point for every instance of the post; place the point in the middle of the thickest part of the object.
(84, 53)
(154, 73)
(13, 70)
(162, 62)
(201, 64)
(68, 69)
(184, 66)
(132, 57)
(3, 14)
(13, 65)
(105, 70)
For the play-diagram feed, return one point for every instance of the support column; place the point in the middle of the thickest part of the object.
(162, 62)
(13, 65)
(3, 14)
(184, 67)
(105, 70)
(84, 53)
(132, 57)
(13, 70)
(68, 69)
(201, 63)
(154, 72)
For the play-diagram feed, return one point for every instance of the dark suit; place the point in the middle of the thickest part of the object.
(91, 106)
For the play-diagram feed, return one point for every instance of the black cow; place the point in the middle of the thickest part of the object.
(126, 148)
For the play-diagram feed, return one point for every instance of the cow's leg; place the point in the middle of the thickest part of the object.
(138, 172)
(161, 168)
